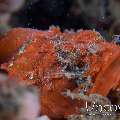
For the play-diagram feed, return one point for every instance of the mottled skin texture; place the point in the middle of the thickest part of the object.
(38, 64)
(12, 41)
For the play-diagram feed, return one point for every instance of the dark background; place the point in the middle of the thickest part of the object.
(101, 15)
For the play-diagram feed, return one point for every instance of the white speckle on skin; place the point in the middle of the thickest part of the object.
(30, 75)
(11, 64)
(93, 48)
(21, 51)
(118, 90)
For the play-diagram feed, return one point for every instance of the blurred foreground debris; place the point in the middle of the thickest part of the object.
(7, 8)
(18, 102)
